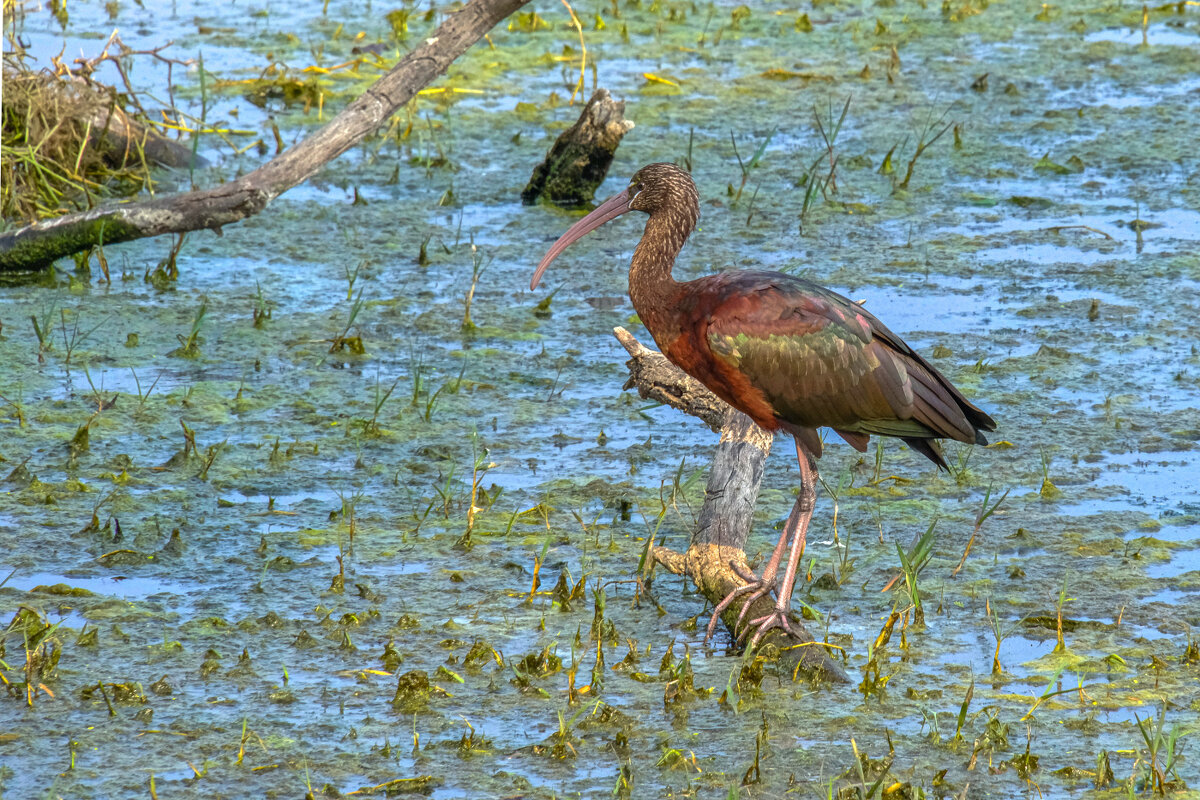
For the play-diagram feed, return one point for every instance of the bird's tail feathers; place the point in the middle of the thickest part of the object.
(945, 411)
(930, 449)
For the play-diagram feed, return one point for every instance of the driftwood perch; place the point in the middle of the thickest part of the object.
(729, 499)
(38, 245)
(580, 157)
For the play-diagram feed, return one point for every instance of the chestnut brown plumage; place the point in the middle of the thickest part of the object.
(790, 354)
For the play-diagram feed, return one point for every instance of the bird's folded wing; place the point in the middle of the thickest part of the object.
(821, 360)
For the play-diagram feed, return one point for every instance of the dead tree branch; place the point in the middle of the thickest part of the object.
(38, 245)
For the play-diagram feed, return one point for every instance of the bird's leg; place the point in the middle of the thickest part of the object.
(796, 529)
(760, 586)
(768, 581)
(801, 515)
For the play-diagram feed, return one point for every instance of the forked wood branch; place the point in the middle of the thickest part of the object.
(729, 499)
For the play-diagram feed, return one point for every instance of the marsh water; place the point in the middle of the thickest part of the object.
(305, 486)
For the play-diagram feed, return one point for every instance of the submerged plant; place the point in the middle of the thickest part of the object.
(1048, 491)
(814, 183)
(1060, 645)
(34, 634)
(262, 307)
(73, 338)
(164, 275)
(1000, 632)
(830, 138)
(479, 469)
(477, 268)
(350, 503)
(209, 458)
(929, 135)
(747, 166)
(981, 517)
(352, 277)
(842, 565)
(41, 327)
(143, 397)
(371, 426)
(343, 340)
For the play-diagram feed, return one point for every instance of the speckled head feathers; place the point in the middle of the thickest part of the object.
(664, 187)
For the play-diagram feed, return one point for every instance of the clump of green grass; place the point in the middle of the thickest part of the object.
(912, 563)
(1157, 765)
(189, 346)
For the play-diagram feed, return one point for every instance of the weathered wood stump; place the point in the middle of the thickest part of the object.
(729, 499)
(579, 159)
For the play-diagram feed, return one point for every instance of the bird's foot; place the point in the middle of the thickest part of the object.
(759, 587)
(776, 619)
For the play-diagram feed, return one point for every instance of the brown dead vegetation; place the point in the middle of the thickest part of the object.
(69, 141)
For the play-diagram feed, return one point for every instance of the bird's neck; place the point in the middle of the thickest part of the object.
(651, 287)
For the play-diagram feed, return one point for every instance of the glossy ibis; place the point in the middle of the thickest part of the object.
(788, 353)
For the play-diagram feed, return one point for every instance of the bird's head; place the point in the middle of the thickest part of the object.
(653, 189)
(663, 187)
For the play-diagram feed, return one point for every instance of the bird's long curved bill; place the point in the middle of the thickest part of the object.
(611, 208)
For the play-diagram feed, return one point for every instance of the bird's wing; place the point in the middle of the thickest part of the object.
(821, 360)
(932, 388)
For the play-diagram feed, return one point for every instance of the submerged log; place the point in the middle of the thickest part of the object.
(124, 137)
(728, 512)
(37, 246)
(579, 159)
(99, 119)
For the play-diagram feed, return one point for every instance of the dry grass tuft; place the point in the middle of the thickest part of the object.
(69, 141)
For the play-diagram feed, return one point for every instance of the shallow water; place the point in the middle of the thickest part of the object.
(1080, 342)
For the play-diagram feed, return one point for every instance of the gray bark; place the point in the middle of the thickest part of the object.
(38, 245)
(727, 516)
(732, 491)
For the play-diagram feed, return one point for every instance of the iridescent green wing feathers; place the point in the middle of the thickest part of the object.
(821, 360)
